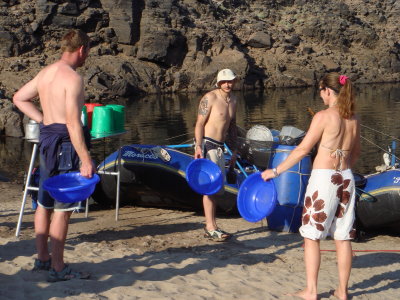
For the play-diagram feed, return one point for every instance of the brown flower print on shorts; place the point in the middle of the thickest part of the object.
(329, 205)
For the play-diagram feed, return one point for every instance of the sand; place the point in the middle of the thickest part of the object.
(153, 253)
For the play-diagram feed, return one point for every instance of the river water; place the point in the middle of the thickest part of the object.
(170, 119)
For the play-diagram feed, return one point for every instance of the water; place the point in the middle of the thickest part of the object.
(170, 119)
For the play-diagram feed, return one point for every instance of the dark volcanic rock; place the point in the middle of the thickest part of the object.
(10, 120)
(156, 46)
(6, 44)
(260, 40)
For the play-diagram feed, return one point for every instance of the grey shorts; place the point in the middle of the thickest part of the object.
(214, 151)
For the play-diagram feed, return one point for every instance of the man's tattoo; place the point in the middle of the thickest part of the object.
(203, 107)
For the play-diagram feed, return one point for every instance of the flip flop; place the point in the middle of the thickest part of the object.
(66, 274)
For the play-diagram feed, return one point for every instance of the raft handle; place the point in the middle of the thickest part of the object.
(370, 198)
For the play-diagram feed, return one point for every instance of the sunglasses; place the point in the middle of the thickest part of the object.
(322, 89)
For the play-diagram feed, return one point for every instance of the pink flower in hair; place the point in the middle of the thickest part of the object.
(343, 79)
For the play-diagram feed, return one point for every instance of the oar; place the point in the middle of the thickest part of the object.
(180, 146)
(394, 144)
(237, 162)
(394, 157)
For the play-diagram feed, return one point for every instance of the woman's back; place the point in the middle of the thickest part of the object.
(338, 140)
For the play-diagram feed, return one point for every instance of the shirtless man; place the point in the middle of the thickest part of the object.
(216, 118)
(61, 94)
(329, 202)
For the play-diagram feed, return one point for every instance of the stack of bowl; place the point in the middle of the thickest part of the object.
(105, 120)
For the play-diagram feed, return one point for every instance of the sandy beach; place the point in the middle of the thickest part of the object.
(153, 253)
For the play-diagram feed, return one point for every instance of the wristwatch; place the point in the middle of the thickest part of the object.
(275, 172)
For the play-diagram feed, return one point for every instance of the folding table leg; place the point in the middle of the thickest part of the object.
(118, 184)
(27, 187)
(87, 208)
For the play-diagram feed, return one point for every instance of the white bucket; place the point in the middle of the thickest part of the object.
(32, 130)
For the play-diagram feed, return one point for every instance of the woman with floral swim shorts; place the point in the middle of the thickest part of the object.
(330, 195)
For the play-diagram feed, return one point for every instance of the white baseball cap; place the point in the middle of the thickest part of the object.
(225, 74)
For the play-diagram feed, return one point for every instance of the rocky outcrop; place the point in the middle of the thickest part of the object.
(10, 120)
(162, 46)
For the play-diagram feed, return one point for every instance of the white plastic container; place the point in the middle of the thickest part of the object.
(32, 130)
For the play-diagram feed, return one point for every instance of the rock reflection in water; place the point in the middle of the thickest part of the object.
(170, 119)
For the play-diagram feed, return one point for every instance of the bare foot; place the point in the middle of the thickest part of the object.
(304, 294)
(336, 294)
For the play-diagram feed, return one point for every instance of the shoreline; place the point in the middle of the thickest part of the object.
(154, 253)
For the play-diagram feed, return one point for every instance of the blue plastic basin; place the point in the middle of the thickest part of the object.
(257, 198)
(71, 187)
(204, 176)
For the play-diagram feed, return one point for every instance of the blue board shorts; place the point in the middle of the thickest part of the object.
(66, 157)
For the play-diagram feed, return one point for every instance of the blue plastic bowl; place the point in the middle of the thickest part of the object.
(257, 198)
(204, 176)
(70, 187)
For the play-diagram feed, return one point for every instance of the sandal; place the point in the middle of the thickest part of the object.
(40, 265)
(216, 234)
(66, 274)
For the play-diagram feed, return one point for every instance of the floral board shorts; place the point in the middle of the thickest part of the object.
(329, 205)
(214, 151)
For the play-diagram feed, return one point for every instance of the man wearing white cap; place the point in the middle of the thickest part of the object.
(216, 118)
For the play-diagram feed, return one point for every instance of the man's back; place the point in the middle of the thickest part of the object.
(60, 90)
(58, 85)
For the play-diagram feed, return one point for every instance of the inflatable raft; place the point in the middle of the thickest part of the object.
(154, 175)
(378, 205)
